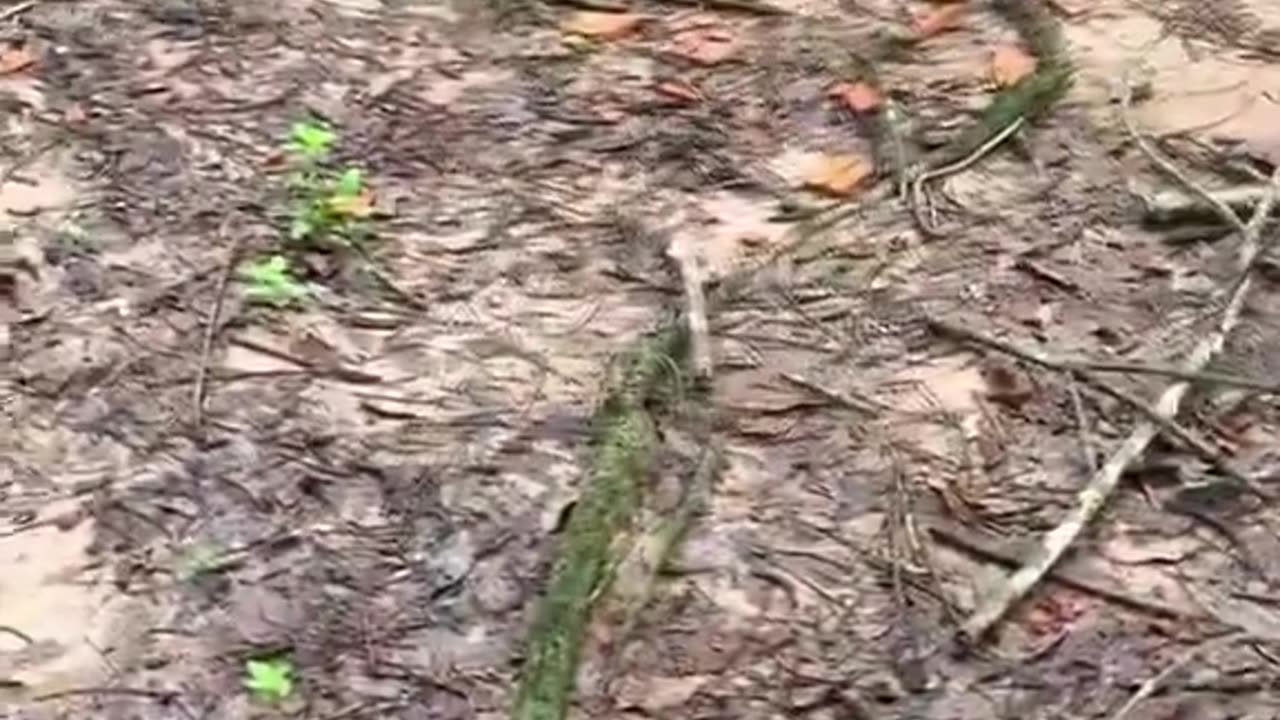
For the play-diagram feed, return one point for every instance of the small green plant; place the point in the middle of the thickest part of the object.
(269, 281)
(197, 561)
(327, 205)
(269, 679)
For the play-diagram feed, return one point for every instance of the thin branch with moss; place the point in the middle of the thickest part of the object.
(623, 442)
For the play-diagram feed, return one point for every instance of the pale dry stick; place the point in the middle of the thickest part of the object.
(1167, 425)
(917, 185)
(16, 10)
(694, 280)
(1207, 378)
(1095, 494)
(1148, 688)
(1166, 165)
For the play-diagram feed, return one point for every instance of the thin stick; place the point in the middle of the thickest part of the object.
(693, 278)
(1095, 494)
(1148, 688)
(211, 329)
(985, 549)
(1207, 378)
(917, 186)
(748, 6)
(1166, 165)
(16, 10)
(1150, 413)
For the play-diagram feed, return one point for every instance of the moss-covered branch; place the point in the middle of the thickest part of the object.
(624, 439)
(1031, 96)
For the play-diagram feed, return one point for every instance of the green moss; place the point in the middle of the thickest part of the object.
(624, 439)
(1030, 97)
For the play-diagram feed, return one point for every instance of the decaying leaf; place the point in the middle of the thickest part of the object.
(838, 174)
(858, 96)
(678, 90)
(1054, 612)
(358, 205)
(1006, 384)
(938, 20)
(13, 60)
(602, 25)
(704, 45)
(1009, 64)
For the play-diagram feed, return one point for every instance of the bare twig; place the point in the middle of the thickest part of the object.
(988, 550)
(597, 5)
(1175, 205)
(1093, 497)
(16, 10)
(1148, 688)
(1166, 165)
(211, 328)
(918, 197)
(755, 7)
(694, 280)
(1151, 414)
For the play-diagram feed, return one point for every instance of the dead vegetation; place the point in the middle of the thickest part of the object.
(717, 359)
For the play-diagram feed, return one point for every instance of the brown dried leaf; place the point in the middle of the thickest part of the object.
(1009, 64)
(13, 60)
(602, 25)
(937, 21)
(1006, 384)
(704, 45)
(679, 91)
(839, 174)
(858, 96)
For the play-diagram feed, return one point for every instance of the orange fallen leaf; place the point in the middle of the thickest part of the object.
(704, 45)
(1009, 64)
(934, 22)
(359, 205)
(678, 90)
(602, 25)
(13, 60)
(857, 96)
(838, 174)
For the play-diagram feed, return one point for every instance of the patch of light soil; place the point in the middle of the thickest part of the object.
(62, 623)
(73, 619)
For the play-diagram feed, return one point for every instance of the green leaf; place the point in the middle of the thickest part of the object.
(269, 679)
(269, 281)
(349, 183)
(311, 139)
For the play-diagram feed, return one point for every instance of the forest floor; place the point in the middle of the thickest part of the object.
(347, 504)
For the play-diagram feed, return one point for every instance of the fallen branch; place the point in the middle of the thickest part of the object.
(636, 578)
(623, 442)
(755, 7)
(986, 549)
(1012, 107)
(1171, 206)
(1095, 494)
(1148, 688)
(1167, 425)
(200, 386)
(693, 278)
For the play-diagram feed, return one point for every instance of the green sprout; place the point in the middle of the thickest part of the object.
(311, 140)
(269, 281)
(326, 205)
(269, 679)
